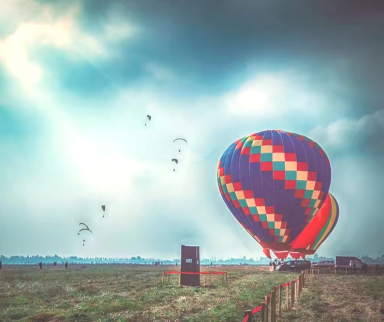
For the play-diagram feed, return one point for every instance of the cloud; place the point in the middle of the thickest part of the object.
(159, 72)
(63, 33)
(269, 95)
(364, 133)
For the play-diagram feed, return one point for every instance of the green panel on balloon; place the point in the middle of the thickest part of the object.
(243, 203)
(253, 210)
(290, 175)
(301, 185)
(266, 157)
(263, 217)
(308, 194)
(279, 166)
(256, 150)
(248, 144)
(312, 203)
(233, 195)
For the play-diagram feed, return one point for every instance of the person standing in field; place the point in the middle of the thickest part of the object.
(41, 265)
(1, 265)
(66, 265)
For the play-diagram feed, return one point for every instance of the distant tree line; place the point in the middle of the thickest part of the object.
(35, 259)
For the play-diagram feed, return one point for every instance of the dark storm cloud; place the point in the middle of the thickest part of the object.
(211, 43)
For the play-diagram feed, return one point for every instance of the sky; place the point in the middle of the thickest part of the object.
(78, 78)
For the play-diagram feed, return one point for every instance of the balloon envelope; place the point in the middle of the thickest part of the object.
(274, 182)
(318, 229)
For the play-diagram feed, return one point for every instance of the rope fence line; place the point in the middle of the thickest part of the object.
(271, 308)
(273, 302)
(210, 273)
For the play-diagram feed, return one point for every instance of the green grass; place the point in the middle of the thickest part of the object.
(128, 293)
(340, 298)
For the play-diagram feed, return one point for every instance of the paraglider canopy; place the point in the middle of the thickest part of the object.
(103, 207)
(175, 160)
(180, 139)
(149, 117)
(85, 229)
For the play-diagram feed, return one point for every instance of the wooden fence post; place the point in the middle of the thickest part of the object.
(302, 282)
(292, 294)
(263, 312)
(280, 290)
(287, 296)
(266, 308)
(273, 308)
(298, 288)
(249, 314)
(162, 278)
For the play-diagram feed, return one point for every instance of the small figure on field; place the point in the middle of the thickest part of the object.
(66, 265)
(1, 265)
(41, 265)
(354, 266)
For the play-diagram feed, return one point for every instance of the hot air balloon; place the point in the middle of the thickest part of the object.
(317, 231)
(274, 182)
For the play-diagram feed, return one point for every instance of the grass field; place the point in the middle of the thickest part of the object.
(340, 298)
(128, 293)
(135, 293)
